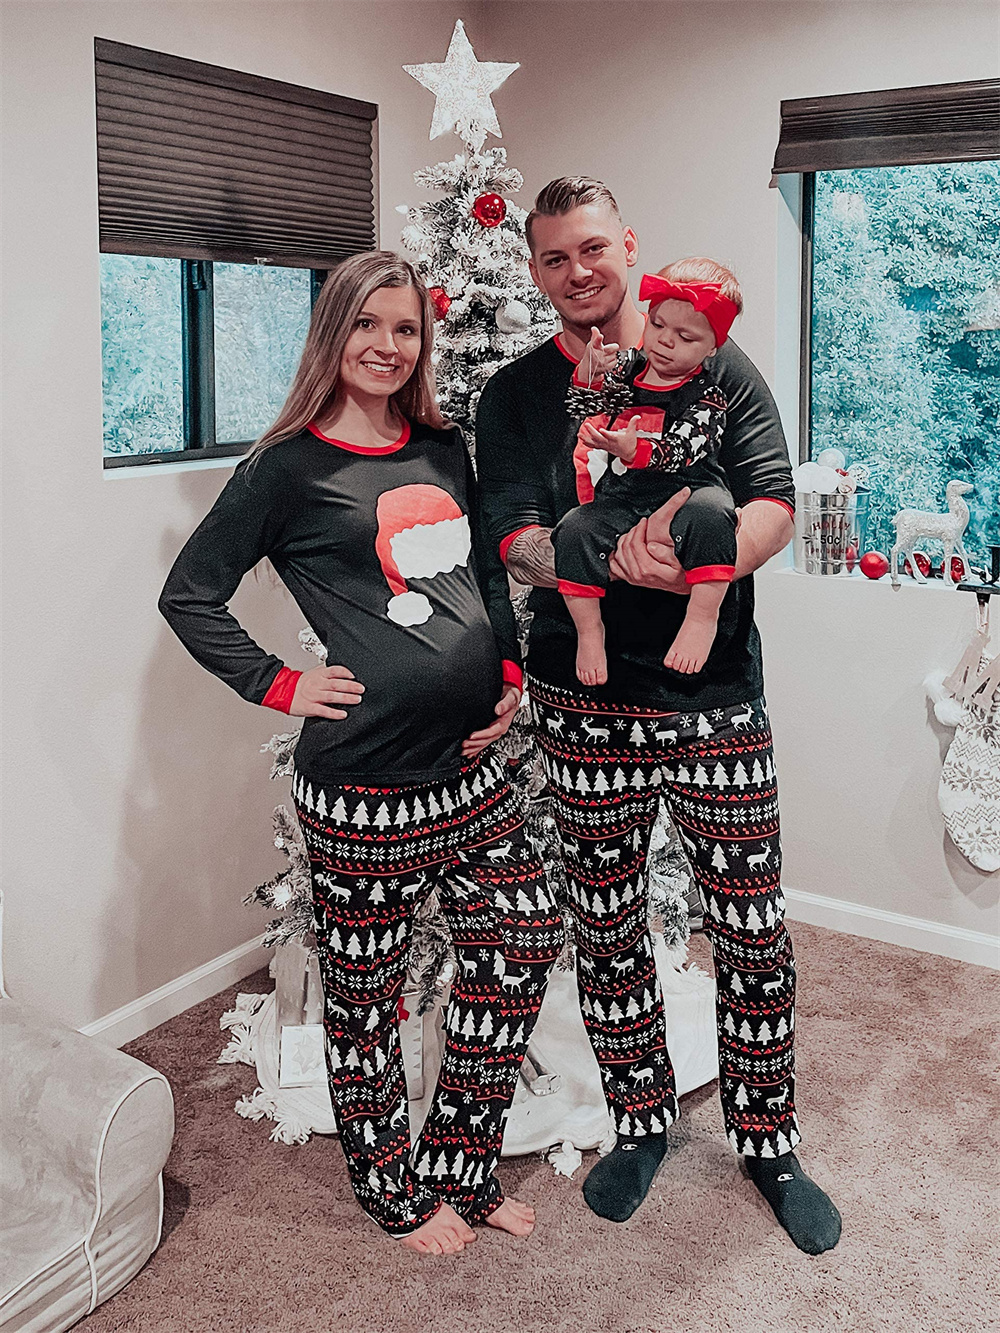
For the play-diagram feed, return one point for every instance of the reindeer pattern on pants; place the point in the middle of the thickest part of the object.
(375, 854)
(607, 765)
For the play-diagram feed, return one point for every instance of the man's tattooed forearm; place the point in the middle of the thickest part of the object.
(531, 559)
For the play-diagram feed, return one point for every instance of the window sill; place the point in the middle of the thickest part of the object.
(179, 460)
(932, 586)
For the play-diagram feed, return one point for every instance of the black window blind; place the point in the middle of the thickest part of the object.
(942, 122)
(199, 162)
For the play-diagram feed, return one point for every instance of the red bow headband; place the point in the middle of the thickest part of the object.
(706, 297)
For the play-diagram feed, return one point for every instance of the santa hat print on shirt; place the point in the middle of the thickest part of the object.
(421, 533)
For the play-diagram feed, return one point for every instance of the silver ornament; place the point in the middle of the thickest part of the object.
(513, 317)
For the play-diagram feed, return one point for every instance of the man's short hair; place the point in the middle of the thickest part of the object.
(563, 195)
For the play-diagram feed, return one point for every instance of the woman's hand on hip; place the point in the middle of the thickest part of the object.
(505, 711)
(319, 690)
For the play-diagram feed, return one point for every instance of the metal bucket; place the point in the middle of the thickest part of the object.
(829, 532)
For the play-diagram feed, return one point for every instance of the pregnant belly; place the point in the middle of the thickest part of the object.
(422, 698)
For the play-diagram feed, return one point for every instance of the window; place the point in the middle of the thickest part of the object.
(905, 337)
(196, 356)
(901, 292)
(223, 199)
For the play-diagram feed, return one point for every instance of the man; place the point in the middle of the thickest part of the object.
(703, 740)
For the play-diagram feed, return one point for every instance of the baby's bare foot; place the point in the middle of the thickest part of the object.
(513, 1216)
(444, 1233)
(591, 662)
(691, 647)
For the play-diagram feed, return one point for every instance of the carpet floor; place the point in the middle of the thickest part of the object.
(898, 1054)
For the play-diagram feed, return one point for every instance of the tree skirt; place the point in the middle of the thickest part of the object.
(559, 1100)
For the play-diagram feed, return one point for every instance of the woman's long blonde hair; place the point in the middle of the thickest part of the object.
(342, 298)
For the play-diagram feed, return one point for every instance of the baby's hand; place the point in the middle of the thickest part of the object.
(621, 443)
(598, 360)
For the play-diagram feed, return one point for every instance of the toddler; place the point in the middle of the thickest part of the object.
(653, 425)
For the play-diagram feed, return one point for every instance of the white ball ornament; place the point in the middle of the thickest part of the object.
(513, 317)
(831, 458)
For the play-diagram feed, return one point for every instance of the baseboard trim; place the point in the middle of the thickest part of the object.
(912, 932)
(149, 1011)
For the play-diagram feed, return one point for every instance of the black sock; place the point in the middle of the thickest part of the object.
(799, 1204)
(618, 1183)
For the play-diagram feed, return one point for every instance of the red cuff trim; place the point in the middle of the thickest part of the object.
(581, 381)
(505, 544)
(643, 453)
(710, 574)
(282, 690)
(579, 589)
(773, 499)
(512, 674)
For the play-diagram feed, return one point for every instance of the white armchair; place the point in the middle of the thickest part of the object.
(84, 1133)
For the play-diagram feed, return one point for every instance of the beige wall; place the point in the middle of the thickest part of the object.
(136, 807)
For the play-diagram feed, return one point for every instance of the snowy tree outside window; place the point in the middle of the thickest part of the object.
(260, 316)
(141, 345)
(906, 336)
(261, 320)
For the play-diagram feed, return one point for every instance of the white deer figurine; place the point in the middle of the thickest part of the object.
(948, 529)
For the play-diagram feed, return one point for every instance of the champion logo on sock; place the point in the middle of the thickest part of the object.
(629, 1147)
(786, 1175)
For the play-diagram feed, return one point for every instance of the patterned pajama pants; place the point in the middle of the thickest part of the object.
(375, 854)
(607, 765)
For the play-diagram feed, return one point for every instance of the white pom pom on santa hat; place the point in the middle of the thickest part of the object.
(409, 608)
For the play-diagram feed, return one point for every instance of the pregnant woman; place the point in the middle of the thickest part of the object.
(363, 499)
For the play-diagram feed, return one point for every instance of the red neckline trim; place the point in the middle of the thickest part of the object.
(361, 448)
(640, 383)
(573, 359)
(555, 339)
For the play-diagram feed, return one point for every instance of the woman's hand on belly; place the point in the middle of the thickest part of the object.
(505, 711)
(319, 690)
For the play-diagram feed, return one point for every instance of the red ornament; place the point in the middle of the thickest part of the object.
(489, 210)
(957, 569)
(923, 564)
(440, 300)
(874, 565)
(851, 558)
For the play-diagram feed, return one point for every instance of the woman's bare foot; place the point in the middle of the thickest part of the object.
(444, 1233)
(692, 645)
(513, 1216)
(591, 662)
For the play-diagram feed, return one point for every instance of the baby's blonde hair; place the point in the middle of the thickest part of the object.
(699, 269)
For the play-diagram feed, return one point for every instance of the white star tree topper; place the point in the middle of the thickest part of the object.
(462, 85)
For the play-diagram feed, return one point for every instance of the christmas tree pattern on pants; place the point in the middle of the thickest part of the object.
(607, 764)
(375, 854)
